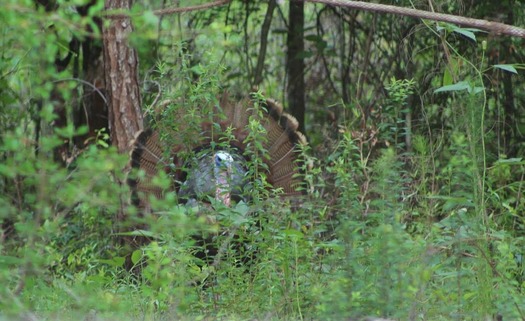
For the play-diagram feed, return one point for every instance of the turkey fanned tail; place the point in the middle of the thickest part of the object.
(196, 177)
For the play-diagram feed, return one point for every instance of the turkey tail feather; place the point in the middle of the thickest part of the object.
(146, 155)
(283, 139)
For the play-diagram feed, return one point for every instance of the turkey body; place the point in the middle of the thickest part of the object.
(220, 174)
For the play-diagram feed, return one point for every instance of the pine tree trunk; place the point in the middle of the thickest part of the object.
(295, 62)
(121, 74)
(122, 87)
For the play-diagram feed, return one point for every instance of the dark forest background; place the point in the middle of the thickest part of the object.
(416, 130)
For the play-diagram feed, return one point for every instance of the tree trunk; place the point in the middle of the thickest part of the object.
(295, 62)
(265, 30)
(122, 87)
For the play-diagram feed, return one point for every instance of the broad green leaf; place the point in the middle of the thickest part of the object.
(447, 77)
(197, 69)
(509, 68)
(466, 33)
(242, 208)
(462, 85)
(136, 256)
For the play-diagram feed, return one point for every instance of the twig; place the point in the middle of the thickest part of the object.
(491, 26)
(87, 83)
(162, 12)
(168, 11)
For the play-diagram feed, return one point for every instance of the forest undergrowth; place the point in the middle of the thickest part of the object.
(380, 232)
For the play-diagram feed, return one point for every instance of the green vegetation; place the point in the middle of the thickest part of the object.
(414, 208)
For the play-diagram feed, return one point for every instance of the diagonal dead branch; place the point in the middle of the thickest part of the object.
(490, 26)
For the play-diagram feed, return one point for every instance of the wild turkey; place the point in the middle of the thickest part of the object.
(219, 169)
(213, 161)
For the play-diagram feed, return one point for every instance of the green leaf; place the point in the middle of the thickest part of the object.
(95, 8)
(198, 69)
(466, 33)
(293, 234)
(447, 77)
(138, 233)
(305, 54)
(509, 68)
(474, 30)
(242, 208)
(439, 28)
(477, 89)
(136, 256)
(462, 85)
(117, 261)
(510, 161)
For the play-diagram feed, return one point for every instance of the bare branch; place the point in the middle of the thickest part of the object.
(168, 11)
(491, 26)
(162, 12)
